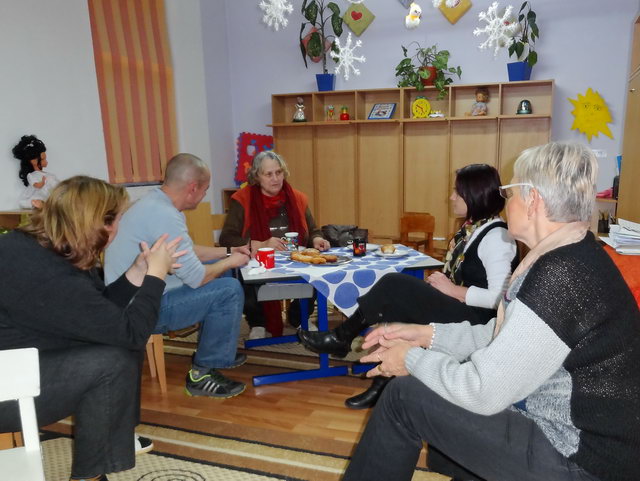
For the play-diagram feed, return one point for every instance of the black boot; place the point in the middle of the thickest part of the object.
(338, 340)
(368, 398)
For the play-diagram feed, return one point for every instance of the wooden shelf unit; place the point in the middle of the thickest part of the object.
(367, 172)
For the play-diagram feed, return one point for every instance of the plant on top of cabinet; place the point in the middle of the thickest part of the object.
(430, 68)
(522, 43)
(318, 41)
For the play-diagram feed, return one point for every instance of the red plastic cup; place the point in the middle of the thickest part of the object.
(266, 256)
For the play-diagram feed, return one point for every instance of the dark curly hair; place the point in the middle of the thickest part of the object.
(30, 147)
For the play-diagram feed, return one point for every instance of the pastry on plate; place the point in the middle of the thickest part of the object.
(388, 249)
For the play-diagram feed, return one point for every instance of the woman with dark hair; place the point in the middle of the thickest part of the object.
(90, 337)
(477, 267)
(31, 152)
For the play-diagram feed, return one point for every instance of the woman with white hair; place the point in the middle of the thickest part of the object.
(549, 389)
(261, 214)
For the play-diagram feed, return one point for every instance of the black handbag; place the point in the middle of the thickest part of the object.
(338, 235)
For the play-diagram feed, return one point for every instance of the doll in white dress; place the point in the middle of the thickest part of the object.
(31, 152)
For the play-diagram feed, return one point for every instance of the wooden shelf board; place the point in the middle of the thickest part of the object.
(525, 116)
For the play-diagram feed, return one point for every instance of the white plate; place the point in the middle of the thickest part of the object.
(372, 247)
(397, 253)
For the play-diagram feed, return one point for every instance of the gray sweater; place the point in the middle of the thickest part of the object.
(567, 356)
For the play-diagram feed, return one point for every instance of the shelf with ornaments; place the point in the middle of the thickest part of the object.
(328, 106)
(475, 101)
(286, 107)
(527, 99)
(367, 99)
(420, 104)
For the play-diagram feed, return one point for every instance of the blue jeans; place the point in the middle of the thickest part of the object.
(217, 306)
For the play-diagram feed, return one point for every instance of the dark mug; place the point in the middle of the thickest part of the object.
(360, 242)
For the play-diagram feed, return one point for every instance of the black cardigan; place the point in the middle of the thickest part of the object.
(47, 303)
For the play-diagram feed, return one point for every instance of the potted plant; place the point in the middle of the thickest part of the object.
(431, 67)
(318, 39)
(522, 44)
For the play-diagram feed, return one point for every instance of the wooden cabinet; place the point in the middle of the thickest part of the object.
(628, 193)
(368, 172)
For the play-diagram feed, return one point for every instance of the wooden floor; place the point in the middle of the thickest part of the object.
(309, 408)
(303, 414)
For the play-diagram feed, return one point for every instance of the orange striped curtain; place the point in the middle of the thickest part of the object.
(135, 82)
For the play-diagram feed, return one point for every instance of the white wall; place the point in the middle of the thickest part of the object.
(48, 88)
(583, 43)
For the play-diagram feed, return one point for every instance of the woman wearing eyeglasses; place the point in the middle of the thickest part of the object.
(477, 267)
(550, 389)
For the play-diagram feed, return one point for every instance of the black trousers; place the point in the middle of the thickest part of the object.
(504, 447)
(99, 385)
(404, 298)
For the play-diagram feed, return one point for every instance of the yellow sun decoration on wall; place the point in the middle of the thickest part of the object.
(591, 115)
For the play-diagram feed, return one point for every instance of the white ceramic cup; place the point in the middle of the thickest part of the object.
(291, 241)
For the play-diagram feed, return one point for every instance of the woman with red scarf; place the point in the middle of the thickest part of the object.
(261, 213)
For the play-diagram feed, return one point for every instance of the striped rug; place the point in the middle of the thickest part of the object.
(191, 455)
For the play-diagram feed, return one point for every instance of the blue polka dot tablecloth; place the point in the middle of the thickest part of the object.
(342, 285)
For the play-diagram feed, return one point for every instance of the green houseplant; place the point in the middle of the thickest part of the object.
(522, 43)
(318, 40)
(431, 67)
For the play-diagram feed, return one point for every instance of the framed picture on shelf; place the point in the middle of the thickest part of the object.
(382, 111)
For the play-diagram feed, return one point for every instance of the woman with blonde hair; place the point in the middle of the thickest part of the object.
(89, 336)
(550, 388)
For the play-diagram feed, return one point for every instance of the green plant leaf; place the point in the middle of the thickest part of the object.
(534, 30)
(520, 17)
(302, 47)
(304, 5)
(334, 8)
(532, 58)
(512, 48)
(519, 49)
(311, 12)
(531, 17)
(336, 24)
(404, 50)
(314, 46)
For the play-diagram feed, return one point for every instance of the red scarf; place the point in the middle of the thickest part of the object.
(264, 208)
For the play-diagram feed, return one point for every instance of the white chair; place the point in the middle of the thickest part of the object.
(20, 379)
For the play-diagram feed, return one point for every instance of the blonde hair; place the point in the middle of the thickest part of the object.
(256, 166)
(73, 219)
(565, 176)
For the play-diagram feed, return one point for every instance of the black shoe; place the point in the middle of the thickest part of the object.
(368, 398)
(238, 361)
(213, 384)
(326, 342)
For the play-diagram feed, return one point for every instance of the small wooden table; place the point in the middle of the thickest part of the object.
(10, 219)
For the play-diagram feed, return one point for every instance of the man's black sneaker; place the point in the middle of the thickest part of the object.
(213, 384)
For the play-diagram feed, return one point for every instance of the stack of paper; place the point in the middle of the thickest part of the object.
(624, 237)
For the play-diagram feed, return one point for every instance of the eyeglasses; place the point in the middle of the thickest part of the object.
(505, 193)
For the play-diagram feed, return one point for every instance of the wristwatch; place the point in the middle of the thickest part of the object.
(228, 251)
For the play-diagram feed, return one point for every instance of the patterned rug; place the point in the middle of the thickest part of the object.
(190, 455)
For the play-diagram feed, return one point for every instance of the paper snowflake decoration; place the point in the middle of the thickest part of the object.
(345, 57)
(499, 29)
(274, 12)
(448, 3)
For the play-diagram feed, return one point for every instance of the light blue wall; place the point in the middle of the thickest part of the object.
(584, 43)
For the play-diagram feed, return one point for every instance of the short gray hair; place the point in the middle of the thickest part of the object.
(184, 168)
(565, 176)
(252, 175)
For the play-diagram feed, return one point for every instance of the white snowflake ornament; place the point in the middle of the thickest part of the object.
(274, 12)
(499, 29)
(345, 57)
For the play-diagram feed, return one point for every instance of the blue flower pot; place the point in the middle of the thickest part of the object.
(518, 71)
(326, 81)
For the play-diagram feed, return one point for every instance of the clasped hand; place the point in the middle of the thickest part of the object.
(392, 342)
(157, 260)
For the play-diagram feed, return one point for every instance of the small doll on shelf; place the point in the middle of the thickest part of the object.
(479, 107)
(31, 152)
(298, 115)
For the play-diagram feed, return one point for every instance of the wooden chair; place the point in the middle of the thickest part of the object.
(417, 222)
(20, 380)
(155, 356)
